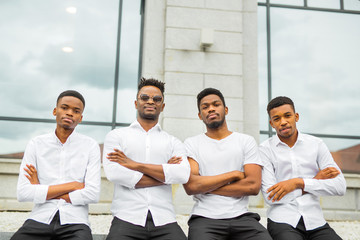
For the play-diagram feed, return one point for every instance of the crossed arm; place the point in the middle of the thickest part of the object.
(153, 174)
(280, 189)
(59, 191)
(231, 184)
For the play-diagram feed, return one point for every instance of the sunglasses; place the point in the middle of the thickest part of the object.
(156, 99)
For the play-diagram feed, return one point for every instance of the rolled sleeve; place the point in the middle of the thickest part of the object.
(177, 173)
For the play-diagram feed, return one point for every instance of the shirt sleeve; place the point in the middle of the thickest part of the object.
(177, 173)
(91, 192)
(251, 152)
(269, 179)
(115, 172)
(326, 187)
(27, 192)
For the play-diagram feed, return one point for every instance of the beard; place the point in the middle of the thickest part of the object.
(215, 124)
(148, 116)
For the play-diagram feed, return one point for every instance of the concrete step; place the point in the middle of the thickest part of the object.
(8, 235)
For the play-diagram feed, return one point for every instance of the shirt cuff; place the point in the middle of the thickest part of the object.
(175, 173)
(76, 198)
(40, 193)
(310, 184)
(135, 179)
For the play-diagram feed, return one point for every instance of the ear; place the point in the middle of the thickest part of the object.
(200, 116)
(162, 107)
(135, 102)
(226, 110)
(296, 117)
(54, 111)
(271, 124)
(81, 119)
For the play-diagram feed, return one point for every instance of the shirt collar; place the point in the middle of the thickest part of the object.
(277, 140)
(137, 125)
(68, 140)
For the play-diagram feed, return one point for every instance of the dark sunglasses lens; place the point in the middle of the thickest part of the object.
(157, 99)
(144, 97)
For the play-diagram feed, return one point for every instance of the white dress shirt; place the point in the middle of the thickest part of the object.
(304, 160)
(217, 157)
(153, 147)
(78, 159)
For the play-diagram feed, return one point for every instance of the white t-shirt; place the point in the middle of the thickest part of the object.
(217, 157)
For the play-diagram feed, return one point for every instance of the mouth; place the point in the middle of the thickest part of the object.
(68, 120)
(150, 108)
(284, 130)
(212, 116)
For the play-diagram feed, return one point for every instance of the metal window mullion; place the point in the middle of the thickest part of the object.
(268, 42)
(117, 62)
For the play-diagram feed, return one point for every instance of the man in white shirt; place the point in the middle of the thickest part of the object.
(225, 170)
(298, 168)
(143, 161)
(60, 173)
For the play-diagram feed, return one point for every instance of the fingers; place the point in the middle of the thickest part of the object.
(175, 160)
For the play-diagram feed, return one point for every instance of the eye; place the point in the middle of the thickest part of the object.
(157, 99)
(144, 97)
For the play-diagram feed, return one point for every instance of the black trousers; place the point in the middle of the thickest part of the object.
(33, 230)
(283, 231)
(244, 227)
(122, 230)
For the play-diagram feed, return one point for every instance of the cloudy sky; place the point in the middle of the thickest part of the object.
(315, 61)
(35, 67)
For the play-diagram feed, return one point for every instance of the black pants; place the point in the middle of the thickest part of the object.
(244, 227)
(283, 231)
(122, 230)
(33, 230)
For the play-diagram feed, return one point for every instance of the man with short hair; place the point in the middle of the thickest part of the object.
(298, 168)
(60, 173)
(143, 161)
(225, 170)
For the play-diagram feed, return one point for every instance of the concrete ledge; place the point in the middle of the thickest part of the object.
(8, 235)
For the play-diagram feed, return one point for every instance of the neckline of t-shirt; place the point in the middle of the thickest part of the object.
(221, 140)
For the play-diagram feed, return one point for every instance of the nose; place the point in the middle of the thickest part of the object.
(283, 121)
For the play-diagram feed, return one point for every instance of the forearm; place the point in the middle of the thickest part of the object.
(55, 191)
(238, 189)
(147, 181)
(204, 184)
(152, 170)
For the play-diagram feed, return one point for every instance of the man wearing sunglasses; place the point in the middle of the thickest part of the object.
(143, 161)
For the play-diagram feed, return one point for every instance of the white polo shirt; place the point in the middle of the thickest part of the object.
(303, 160)
(78, 159)
(154, 147)
(217, 157)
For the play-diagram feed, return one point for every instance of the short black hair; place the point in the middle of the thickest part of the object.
(71, 93)
(209, 91)
(279, 101)
(151, 82)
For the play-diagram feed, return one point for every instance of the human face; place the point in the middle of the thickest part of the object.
(212, 111)
(68, 112)
(149, 109)
(283, 119)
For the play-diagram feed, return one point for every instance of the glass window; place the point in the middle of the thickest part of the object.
(47, 48)
(317, 68)
(289, 2)
(54, 47)
(129, 61)
(352, 5)
(324, 3)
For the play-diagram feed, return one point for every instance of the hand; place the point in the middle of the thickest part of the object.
(77, 185)
(33, 177)
(327, 173)
(238, 175)
(66, 197)
(175, 160)
(279, 190)
(120, 157)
